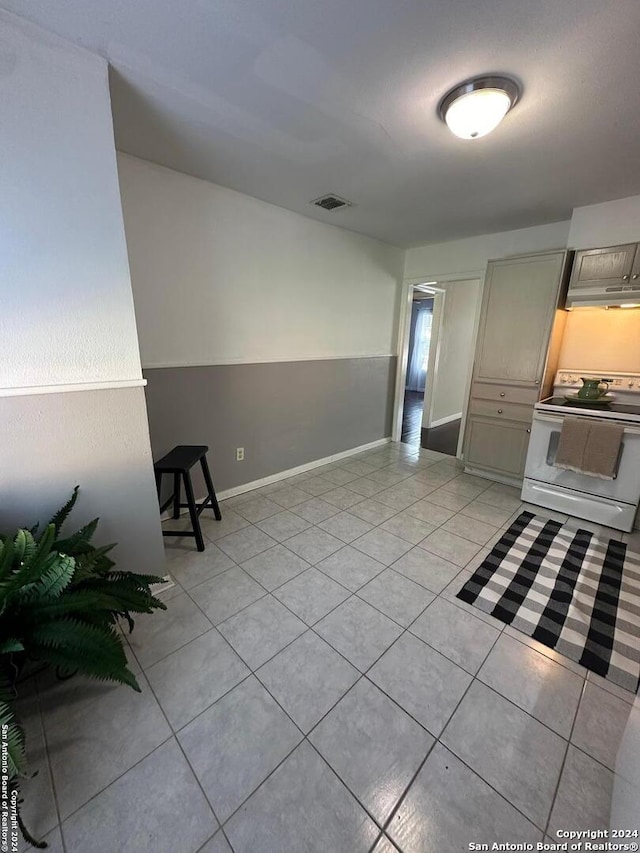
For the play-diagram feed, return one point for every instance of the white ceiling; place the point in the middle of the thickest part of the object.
(289, 99)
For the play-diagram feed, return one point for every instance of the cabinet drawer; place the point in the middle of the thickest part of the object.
(504, 393)
(502, 411)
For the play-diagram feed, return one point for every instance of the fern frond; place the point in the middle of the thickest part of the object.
(96, 557)
(130, 597)
(39, 845)
(75, 602)
(32, 572)
(142, 580)
(79, 542)
(67, 661)
(19, 546)
(30, 546)
(6, 557)
(9, 645)
(61, 516)
(61, 602)
(56, 579)
(15, 740)
(93, 649)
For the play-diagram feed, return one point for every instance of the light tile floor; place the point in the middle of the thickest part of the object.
(315, 685)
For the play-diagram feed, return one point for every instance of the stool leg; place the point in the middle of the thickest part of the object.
(193, 513)
(209, 482)
(158, 483)
(176, 495)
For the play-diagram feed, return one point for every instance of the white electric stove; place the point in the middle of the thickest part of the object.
(610, 502)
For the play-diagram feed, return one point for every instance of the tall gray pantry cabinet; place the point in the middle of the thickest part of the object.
(521, 325)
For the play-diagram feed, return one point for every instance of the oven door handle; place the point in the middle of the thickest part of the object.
(558, 419)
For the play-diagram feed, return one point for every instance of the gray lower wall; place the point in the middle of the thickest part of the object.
(284, 414)
(99, 439)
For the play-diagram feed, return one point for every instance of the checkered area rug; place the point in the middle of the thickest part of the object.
(569, 590)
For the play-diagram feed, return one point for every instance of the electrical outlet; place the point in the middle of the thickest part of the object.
(239, 454)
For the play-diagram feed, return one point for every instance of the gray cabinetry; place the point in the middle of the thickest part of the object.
(519, 303)
(605, 276)
(496, 447)
(518, 338)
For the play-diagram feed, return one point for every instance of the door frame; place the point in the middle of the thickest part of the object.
(406, 298)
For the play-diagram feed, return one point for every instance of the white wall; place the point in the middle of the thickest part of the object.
(67, 311)
(220, 277)
(98, 439)
(595, 225)
(471, 254)
(455, 350)
(608, 224)
(66, 308)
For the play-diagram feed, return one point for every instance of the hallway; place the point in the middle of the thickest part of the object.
(443, 439)
(412, 417)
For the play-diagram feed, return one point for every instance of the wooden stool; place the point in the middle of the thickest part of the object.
(179, 462)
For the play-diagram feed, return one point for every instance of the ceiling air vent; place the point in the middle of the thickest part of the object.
(331, 202)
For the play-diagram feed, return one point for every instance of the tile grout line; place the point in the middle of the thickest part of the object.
(404, 630)
(564, 759)
(49, 766)
(311, 627)
(471, 769)
(364, 675)
(135, 764)
(355, 593)
(351, 594)
(305, 737)
(398, 805)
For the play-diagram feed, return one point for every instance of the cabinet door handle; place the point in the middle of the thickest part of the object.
(499, 411)
(635, 276)
(537, 381)
(625, 278)
(528, 430)
(502, 393)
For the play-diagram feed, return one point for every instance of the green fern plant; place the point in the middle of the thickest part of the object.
(61, 600)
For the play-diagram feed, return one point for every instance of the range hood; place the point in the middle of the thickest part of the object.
(611, 296)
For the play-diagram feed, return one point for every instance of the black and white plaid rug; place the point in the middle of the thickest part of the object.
(569, 590)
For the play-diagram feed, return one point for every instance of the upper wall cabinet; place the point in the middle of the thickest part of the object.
(609, 276)
(520, 299)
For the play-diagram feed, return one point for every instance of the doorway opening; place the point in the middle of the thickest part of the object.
(437, 341)
(420, 329)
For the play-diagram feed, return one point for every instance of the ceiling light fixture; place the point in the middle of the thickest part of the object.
(477, 107)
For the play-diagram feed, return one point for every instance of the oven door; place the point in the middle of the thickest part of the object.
(545, 433)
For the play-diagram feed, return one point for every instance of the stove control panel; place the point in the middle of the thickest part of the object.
(628, 382)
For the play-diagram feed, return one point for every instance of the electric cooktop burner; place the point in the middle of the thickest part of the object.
(598, 406)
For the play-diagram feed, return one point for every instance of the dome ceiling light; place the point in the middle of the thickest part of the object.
(477, 107)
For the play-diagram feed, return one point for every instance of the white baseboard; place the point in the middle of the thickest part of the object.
(300, 469)
(289, 472)
(159, 588)
(443, 421)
